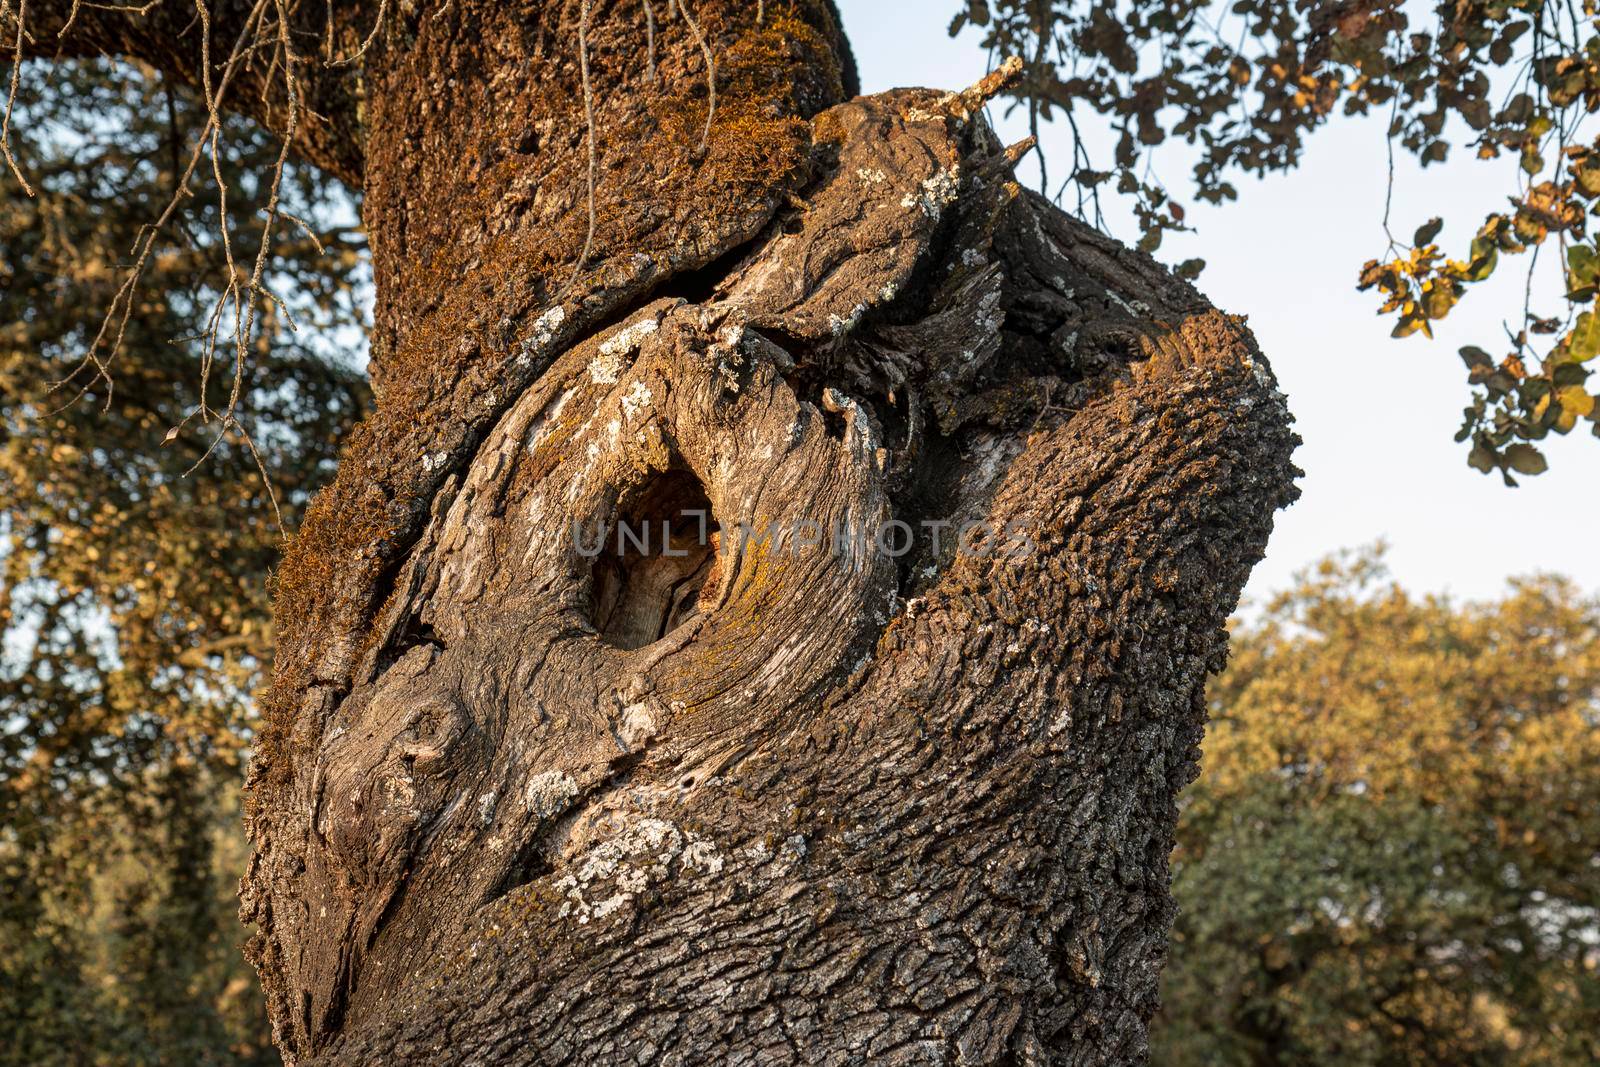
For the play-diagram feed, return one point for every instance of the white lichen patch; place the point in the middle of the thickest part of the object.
(872, 176)
(544, 334)
(703, 855)
(936, 194)
(990, 315)
(433, 461)
(1136, 308)
(549, 793)
(486, 807)
(610, 876)
(605, 368)
(637, 725)
(952, 105)
(1264, 379)
(948, 106)
(636, 400)
(776, 864)
(839, 325)
(1062, 720)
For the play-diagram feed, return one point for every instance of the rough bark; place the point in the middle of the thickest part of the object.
(781, 802)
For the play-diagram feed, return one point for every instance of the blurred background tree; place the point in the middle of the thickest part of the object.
(1392, 855)
(134, 596)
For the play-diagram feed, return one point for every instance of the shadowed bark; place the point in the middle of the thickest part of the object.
(786, 797)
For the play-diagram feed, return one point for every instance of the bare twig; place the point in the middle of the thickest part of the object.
(124, 9)
(292, 91)
(711, 68)
(377, 24)
(239, 297)
(588, 115)
(144, 244)
(21, 15)
(650, 37)
(316, 242)
(1043, 31)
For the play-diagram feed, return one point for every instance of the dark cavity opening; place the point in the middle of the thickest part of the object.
(656, 568)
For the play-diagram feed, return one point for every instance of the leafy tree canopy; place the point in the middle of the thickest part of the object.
(134, 563)
(1390, 854)
(1246, 83)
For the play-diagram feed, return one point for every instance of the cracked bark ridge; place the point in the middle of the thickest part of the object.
(852, 806)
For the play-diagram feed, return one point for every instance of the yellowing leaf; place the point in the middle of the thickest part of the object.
(1583, 344)
(1576, 398)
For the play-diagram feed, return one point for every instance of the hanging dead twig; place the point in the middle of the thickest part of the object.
(650, 38)
(588, 116)
(711, 69)
(21, 15)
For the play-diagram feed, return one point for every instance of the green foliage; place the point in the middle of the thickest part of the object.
(1389, 857)
(1245, 83)
(119, 937)
(134, 566)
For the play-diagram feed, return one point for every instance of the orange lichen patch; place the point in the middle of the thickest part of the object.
(758, 132)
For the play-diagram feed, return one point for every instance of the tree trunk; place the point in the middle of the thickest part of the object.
(793, 795)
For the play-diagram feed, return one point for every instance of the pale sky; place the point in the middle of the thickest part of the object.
(1377, 415)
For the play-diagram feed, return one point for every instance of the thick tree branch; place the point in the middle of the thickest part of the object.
(172, 36)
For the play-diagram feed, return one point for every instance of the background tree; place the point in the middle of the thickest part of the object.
(1390, 857)
(134, 598)
(1247, 83)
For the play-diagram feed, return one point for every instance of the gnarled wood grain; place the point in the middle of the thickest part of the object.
(915, 809)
